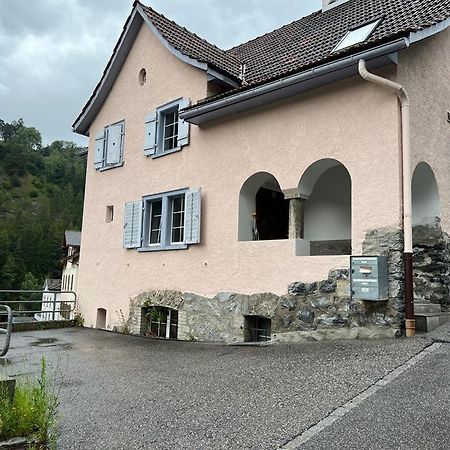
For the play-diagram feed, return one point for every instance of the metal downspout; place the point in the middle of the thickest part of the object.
(406, 197)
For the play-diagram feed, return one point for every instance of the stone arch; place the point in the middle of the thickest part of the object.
(326, 190)
(425, 195)
(263, 211)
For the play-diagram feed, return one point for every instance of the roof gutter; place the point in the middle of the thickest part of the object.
(292, 84)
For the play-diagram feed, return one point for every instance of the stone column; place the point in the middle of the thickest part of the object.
(296, 213)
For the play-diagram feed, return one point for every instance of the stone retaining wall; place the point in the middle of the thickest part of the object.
(320, 310)
(431, 264)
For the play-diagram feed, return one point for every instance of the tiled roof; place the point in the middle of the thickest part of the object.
(72, 238)
(311, 40)
(52, 284)
(192, 45)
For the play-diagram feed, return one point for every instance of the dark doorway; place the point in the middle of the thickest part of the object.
(257, 329)
(272, 215)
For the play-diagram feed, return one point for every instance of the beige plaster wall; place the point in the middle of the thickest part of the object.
(424, 70)
(351, 121)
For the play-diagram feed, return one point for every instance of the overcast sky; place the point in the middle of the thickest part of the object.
(53, 52)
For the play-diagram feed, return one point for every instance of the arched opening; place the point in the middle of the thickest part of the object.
(263, 211)
(430, 260)
(101, 319)
(425, 195)
(325, 188)
(160, 322)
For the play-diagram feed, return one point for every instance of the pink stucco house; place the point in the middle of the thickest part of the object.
(227, 190)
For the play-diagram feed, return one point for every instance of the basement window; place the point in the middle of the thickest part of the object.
(161, 322)
(257, 329)
(357, 35)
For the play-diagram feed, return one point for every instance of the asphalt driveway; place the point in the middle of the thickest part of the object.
(125, 392)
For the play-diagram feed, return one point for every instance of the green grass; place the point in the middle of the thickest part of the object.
(32, 413)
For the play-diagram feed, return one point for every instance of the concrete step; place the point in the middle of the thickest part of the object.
(420, 308)
(429, 321)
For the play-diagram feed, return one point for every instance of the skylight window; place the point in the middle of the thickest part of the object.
(356, 36)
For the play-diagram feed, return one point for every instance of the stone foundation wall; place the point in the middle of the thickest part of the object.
(431, 264)
(319, 310)
(309, 311)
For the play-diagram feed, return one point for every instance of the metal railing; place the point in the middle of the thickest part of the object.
(6, 331)
(49, 306)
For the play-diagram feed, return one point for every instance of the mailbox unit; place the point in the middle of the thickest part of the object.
(369, 276)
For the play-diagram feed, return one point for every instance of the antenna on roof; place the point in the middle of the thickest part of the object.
(242, 70)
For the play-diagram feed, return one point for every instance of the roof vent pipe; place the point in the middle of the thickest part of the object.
(328, 4)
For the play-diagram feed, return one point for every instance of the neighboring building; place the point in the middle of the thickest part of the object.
(56, 303)
(227, 189)
(51, 301)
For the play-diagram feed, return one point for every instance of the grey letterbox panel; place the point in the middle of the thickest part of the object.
(369, 278)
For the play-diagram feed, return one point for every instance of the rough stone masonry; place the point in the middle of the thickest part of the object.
(315, 311)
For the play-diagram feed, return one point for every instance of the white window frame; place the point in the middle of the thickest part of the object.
(166, 224)
(357, 35)
(104, 165)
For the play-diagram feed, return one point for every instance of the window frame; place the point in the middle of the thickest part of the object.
(373, 24)
(106, 129)
(161, 115)
(166, 224)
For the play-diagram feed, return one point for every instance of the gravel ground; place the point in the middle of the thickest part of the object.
(125, 392)
(412, 413)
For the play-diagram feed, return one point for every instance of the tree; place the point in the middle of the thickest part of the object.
(9, 130)
(31, 283)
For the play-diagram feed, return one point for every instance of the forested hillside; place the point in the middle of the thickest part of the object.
(41, 195)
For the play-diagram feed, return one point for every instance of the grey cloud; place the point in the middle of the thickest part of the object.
(53, 52)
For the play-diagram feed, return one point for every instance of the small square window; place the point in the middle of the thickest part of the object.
(109, 214)
(357, 35)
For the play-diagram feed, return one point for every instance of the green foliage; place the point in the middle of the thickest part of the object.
(155, 313)
(41, 196)
(31, 283)
(32, 413)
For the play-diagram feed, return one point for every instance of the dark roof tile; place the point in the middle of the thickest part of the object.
(191, 45)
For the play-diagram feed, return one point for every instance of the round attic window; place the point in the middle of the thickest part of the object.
(142, 77)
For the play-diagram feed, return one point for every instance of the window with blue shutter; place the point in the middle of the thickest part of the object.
(167, 221)
(150, 135)
(193, 212)
(109, 146)
(99, 149)
(165, 132)
(132, 227)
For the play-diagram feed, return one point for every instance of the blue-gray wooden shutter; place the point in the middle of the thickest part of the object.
(193, 216)
(132, 227)
(114, 143)
(150, 134)
(183, 126)
(99, 149)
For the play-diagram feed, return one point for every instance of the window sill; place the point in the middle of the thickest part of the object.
(167, 152)
(159, 248)
(102, 169)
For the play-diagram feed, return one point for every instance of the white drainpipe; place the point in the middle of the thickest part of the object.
(406, 181)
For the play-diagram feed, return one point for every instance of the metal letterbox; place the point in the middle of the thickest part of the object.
(369, 278)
